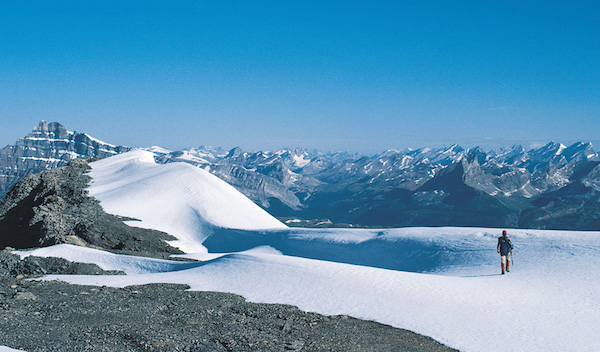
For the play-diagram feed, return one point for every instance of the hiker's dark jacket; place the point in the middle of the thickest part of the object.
(504, 245)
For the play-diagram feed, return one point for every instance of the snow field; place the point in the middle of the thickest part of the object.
(179, 199)
(541, 307)
(439, 282)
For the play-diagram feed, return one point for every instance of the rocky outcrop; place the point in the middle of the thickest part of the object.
(48, 146)
(13, 266)
(53, 207)
(168, 317)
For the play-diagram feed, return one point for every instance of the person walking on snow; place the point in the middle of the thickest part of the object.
(505, 248)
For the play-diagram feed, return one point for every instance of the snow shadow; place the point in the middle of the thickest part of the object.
(404, 254)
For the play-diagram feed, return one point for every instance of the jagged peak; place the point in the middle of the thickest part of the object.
(235, 152)
(581, 146)
(454, 147)
(549, 150)
(553, 146)
(52, 130)
(579, 151)
(476, 153)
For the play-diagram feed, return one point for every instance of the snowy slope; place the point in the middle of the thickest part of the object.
(179, 199)
(440, 282)
(548, 302)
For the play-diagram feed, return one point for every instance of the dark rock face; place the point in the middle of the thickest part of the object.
(575, 206)
(53, 207)
(48, 146)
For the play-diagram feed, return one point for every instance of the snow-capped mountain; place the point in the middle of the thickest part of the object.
(442, 282)
(48, 146)
(446, 186)
(553, 186)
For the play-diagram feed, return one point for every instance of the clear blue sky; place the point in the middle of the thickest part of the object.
(349, 75)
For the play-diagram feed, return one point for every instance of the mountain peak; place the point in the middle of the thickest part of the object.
(52, 130)
(235, 152)
(48, 146)
(579, 151)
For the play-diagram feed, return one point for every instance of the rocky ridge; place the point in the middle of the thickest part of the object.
(54, 207)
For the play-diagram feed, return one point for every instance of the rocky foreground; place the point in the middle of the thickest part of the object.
(55, 316)
(54, 207)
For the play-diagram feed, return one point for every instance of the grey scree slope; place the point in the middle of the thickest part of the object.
(53, 207)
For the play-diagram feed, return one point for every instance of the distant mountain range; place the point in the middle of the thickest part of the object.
(552, 187)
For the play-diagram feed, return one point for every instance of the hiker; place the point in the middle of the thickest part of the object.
(505, 248)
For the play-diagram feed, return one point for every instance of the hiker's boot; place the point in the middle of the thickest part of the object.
(507, 265)
(502, 268)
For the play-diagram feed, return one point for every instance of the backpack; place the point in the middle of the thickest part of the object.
(505, 245)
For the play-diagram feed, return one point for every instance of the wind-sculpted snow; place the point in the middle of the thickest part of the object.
(450, 291)
(376, 248)
(179, 199)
